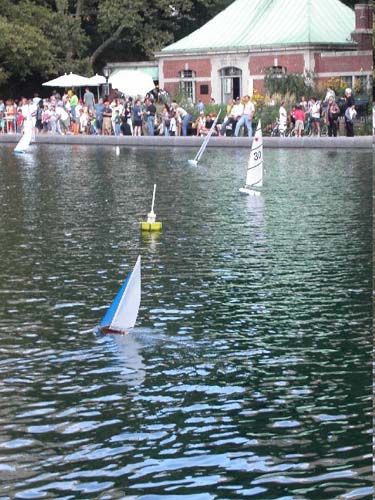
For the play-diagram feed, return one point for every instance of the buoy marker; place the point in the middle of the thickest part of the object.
(151, 224)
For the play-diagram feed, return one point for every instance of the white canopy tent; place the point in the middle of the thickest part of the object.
(71, 80)
(131, 82)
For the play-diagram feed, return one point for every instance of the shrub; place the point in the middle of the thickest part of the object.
(336, 84)
(292, 83)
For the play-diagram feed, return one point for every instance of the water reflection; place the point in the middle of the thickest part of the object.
(127, 349)
(248, 374)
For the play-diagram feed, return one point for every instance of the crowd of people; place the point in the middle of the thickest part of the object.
(119, 115)
(317, 111)
(69, 114)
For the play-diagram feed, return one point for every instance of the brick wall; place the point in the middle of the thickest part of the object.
(342, 63)
(363, 16)
(294, 63)
(172, 68)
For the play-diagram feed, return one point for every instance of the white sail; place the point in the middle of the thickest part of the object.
(199, 155)
(254, 176)
(122, 313)
(26, 138)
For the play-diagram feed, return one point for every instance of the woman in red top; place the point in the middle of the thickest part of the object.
(299, 116)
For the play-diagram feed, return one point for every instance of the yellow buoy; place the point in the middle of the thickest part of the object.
(151, 224)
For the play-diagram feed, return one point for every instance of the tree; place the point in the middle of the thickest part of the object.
(37, 42)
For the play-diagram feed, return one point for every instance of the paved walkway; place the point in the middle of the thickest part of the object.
(363, 142)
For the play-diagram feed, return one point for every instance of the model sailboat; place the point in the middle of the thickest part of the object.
(26, 138)
(122, 313)
(254, 176)
(199, 155)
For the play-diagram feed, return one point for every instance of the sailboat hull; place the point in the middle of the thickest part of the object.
(107, 330)
(250, 192)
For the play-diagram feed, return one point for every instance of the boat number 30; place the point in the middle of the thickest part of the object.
(257, 155)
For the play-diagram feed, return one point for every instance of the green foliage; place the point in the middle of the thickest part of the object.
(37, 41)
(291, 83)
(211, 108)
(23, 50)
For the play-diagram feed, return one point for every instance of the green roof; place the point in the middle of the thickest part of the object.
(264, 23)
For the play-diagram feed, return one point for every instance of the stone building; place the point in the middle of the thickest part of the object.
(231, 54)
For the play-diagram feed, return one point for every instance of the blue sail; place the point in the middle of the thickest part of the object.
(108, 317)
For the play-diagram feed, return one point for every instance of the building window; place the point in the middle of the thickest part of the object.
(360, 84)
(347, 79)
(276, 71)
(187, 84)
(204, 89)
(231, 80)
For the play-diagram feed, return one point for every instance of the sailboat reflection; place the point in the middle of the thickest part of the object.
(128, 348)
(255, 205)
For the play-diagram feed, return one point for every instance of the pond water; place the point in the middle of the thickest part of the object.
(248, 374)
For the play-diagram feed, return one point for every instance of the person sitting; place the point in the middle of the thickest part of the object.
(235, 114)
(223, 128)
(200, 124)
(209, 123)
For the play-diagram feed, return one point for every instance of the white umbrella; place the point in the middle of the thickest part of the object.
(131, 82)
(97, 80)
(71, 80)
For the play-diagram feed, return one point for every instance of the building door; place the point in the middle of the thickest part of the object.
(230, 83)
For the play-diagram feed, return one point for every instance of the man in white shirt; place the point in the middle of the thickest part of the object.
(246, 118)
(63, 120)
(235, 114)
(315, 116)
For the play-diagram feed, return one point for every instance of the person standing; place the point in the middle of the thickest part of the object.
(315, 116)
(73, 105)
(348, 115)
(117, 123)
(63, 120)
(246, 117)
(137, 115)
(185, 118)
(299, 115)
(107, 119)
(150, 113)
(99, 107)
(333, 112)
(128, 115)
(166, 119)
(89, 100)
(200, 106)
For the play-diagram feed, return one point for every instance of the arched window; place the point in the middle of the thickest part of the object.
(231, 78)
(187, 83)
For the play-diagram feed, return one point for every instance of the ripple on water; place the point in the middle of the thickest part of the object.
(248, 375)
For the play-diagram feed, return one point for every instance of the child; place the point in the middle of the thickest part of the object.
(117, 122)
(173, 124)
(20, 120)
(83, 121)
